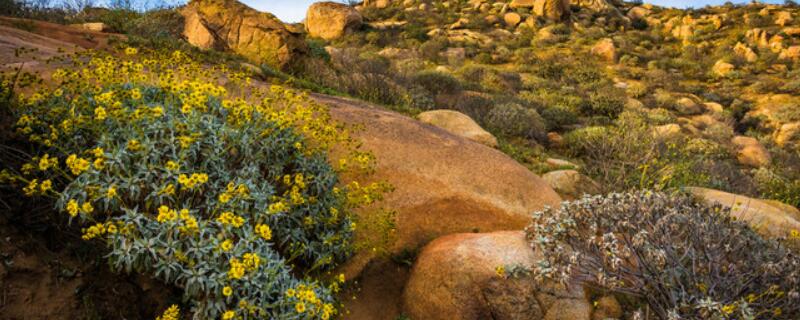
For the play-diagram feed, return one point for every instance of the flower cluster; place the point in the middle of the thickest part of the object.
(198, 178)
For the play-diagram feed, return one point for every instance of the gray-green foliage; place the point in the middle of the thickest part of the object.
(512, 119)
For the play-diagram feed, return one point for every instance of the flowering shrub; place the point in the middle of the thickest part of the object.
(685, 260)
(224, 191)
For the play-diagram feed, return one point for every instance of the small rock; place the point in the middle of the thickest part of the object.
(521, 4)
(570, 184)
(554, 163)
(713, 107)
(459, 124)
(788, 134)
(722, 68)
(605, 49)
(687, 106)
(91, 26)
(666, 131)
(751, 152)
(512, 19)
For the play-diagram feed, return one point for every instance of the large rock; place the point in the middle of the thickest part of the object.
(605, 49)
(570, 184)
(459, 124)
(551, 9)
(443, 183)
(455, 277)
(769, 218)
(331, 20)
(231, 25)
(751, 152)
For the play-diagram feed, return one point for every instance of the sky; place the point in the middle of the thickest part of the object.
(295, 10)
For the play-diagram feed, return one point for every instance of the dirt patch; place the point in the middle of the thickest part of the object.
(46, 277)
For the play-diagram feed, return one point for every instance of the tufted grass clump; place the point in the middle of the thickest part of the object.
(225, 192)
(684, 260)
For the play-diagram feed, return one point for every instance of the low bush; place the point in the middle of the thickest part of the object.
(776, 184)
(514, 120)
(605, 104)
(682, 259)
(628, 155)
(437, 82)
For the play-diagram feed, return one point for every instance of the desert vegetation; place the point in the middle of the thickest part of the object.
(333, 168)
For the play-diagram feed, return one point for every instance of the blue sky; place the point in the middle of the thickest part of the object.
(295, 10)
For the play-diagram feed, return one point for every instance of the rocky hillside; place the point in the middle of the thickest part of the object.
(673, 136)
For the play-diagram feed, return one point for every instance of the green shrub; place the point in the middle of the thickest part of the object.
(604, 104)
(774, 184)
(682, 259)
(628, 155)
(230, 199)
(158, 23)
(437, 82)
(514, 120)
(558, 117)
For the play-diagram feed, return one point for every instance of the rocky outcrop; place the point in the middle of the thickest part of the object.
(459, 124)
(231, 25)
(331, 20)
(570, 184)
(769, 218)
(456, 277)
(751, 152)
(551, 9)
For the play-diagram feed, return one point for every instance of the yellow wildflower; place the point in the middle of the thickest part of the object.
(264, 231)
(500, 271)
(100, 113)
(227, 291)
(99, 163)
(72, 208)
(226, 245)
(87, 208)
(111, 192)
(77, 165)
(172, 313)
(131, 51)
(165, 214)
(300, 307)
(45, 186)
(30, 189)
